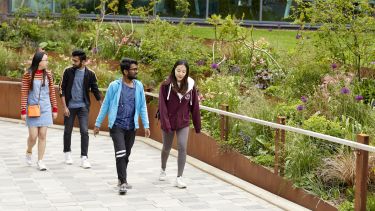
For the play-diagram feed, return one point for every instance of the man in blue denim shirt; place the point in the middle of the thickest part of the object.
(124, 102)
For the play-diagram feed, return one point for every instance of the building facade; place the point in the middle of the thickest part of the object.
(252, 10)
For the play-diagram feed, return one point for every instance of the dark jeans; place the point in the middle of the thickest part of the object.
(123, 141)
(83, 118)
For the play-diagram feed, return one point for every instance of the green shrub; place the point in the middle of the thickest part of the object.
(302, 157)
(366, 88)
(9, 62)
(322, 125)
(69, 17)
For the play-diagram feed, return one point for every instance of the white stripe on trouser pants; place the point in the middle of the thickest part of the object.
(120, 154)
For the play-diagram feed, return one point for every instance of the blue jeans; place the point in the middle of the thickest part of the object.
(83, 119)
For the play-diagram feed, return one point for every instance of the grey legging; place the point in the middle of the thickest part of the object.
(182, 139)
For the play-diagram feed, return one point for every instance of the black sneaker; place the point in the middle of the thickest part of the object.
(122, 189)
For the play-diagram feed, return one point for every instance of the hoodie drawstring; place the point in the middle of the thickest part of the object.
(169, 92)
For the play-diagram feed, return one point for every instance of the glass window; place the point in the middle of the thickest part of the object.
(248, 9)
(167, 8)
(35, 5)
(275, 10)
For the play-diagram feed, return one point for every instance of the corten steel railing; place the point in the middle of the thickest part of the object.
(361, 146)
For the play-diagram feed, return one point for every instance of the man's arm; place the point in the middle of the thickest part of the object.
(62, 92)
(94, 87)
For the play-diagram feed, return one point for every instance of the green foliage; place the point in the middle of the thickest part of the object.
(346, 29)
(183, 6)
(215, 94)
(163, 44)
(348, 205)
(302, 158)
(346, 105)
(69, 18)
(21, 13)
(366, 88)
(265, 160)
(322, 125)
(304, 72)
(9, 62)
(141, 11)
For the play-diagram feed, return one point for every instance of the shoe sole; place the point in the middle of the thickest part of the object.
(122, 192)
(181, 187)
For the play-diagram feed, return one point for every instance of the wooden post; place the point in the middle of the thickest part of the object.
(361, 175)
(279, 148)
(224, 123)
(282, 148)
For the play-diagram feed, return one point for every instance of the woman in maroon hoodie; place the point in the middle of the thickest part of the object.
(178, 98)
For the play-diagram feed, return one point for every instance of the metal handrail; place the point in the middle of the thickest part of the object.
(284, 127)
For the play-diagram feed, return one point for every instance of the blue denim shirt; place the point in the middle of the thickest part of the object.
(126, 108)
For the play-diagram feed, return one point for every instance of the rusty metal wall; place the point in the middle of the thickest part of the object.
(200, 146)
(4, 6)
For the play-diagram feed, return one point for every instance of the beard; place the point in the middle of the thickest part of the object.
(131, 77)
(77, 66)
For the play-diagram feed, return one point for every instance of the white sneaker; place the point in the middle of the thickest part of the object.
(85, 163)
(41, 165)
(68, 158)
(29, 159)
(163, 175)
(180, 183)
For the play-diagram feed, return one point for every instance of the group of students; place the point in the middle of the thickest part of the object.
(124, 103)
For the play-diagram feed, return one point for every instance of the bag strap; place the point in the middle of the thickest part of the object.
(40, 90)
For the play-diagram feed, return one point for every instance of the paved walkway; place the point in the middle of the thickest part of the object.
(65, 187)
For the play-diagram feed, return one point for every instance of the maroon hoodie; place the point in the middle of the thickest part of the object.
(175, 108)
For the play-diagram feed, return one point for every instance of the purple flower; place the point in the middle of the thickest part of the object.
(214, 66)
(345, 90)
(304, 99)
(201, 62)
(95, 50)
(298, 36)
(300, 107)
(358, 97)
(334, 65)
(373, 62)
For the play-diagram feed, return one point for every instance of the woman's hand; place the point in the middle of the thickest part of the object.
(54, 115)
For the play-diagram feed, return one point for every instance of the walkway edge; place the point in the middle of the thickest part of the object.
(248, 187)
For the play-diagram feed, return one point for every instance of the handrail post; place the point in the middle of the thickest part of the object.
(224, 123)
(361, 175)
(279, 148)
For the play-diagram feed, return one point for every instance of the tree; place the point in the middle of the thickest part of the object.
(346, 29)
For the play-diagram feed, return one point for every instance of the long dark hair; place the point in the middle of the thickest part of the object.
(184, 83)
(38, 56)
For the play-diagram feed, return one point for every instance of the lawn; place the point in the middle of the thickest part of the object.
(280, 40)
